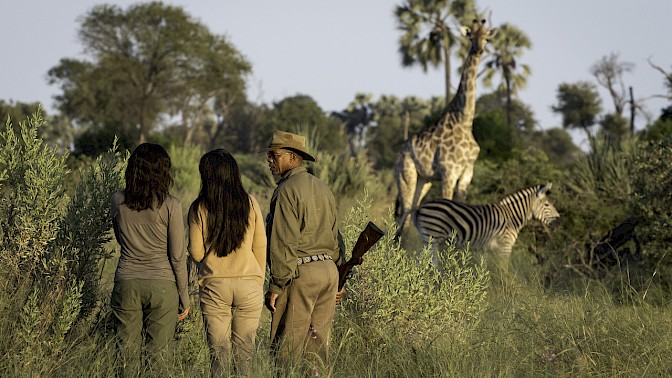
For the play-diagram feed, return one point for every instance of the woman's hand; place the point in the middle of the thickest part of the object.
(183, 315)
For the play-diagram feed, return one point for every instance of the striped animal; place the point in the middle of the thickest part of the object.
(494, 227)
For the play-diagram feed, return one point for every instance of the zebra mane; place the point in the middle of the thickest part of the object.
(525, 194)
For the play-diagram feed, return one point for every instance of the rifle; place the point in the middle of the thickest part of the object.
(366, 240)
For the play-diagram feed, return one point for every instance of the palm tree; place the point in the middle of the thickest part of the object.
(508, 45)
(427, 38)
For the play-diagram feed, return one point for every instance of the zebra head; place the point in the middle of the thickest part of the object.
(543, 209)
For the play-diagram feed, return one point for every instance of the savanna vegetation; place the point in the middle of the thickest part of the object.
(590, 298)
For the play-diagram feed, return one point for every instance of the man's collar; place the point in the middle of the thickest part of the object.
(292, 172)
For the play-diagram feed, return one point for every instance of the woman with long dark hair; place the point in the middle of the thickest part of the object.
(150, 283)
(227, 238)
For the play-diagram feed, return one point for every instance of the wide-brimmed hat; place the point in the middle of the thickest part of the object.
(289, 141)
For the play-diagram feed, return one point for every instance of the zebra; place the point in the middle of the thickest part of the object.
(494, 226)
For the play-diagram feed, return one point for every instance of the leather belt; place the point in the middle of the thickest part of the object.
(307, 259)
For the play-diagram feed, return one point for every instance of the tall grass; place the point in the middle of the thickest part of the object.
(400, 317)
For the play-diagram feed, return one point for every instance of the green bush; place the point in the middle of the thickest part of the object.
(395, 293)
(652, 200)
(51, 247)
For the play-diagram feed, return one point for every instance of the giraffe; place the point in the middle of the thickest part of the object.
(446, 150)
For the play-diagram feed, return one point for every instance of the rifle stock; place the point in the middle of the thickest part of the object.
(365, 241)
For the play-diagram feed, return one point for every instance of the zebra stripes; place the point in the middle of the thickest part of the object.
(494, 226)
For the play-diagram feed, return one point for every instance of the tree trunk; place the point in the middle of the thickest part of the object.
(632, 113)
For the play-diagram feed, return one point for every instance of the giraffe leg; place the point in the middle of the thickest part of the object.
(406, 178)
(423, 192)
(448, 181)
(463, 183)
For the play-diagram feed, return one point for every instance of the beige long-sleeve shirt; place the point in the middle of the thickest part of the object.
(301, 222)
(249, 260)
(152, 243)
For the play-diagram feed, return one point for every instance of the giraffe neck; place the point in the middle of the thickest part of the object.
(464, 101)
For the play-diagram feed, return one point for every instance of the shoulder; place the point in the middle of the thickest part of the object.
(172, 202)
(118, 198)
(196, 208)
(253, 201)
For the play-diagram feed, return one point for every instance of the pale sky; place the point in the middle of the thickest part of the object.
(331, 50)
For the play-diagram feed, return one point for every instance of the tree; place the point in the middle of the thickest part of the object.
(556, 143)
(494, 136)
(522, 117)
(608, 72)
(396, 118)
(150, 61)
(579, 104)
(358, 118)
(508, 44)
(668, 80)
(296, 114)
(427, 39)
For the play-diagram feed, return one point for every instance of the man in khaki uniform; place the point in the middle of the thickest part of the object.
(303, 252)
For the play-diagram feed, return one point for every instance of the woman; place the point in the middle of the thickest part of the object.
(150, 283)
(227, 238)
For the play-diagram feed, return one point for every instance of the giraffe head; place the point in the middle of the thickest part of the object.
(479, 35)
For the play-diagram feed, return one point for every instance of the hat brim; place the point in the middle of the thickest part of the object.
(304, 155)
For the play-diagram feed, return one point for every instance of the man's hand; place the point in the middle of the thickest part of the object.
(183, 315)
(270, 301)
(339, 295)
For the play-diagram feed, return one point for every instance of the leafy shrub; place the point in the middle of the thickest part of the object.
(396, 293)
(51, 246)
(652, 200)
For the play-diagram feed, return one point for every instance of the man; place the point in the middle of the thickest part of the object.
(303, 252)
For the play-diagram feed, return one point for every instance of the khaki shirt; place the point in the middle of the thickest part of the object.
(249, 260)
(301, 222)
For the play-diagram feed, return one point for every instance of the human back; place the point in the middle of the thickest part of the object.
(227, 240)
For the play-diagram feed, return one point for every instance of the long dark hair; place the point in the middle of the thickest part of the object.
(147, 177)
(225, 200)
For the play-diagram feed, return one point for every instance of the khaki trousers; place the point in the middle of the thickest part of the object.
(310, 300)
(231, 310)
(150, 306)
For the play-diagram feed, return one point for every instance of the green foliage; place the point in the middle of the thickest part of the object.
(593, 199)
(34, 195)
(396, 294)
(556, 143)
(85, 226)
(579, 104)
(494, 136)
(658, 130)
(51, 246)
(615, 126)
(417, 46)
(522, 117)
(527, 167)
(606, 169)
(150, 45)
(302, 115)
(652, 200)
(186, 178)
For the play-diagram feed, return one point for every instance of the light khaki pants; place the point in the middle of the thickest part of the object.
(310, 300)
(231, 310)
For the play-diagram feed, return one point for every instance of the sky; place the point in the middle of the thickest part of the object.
(332, 50)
